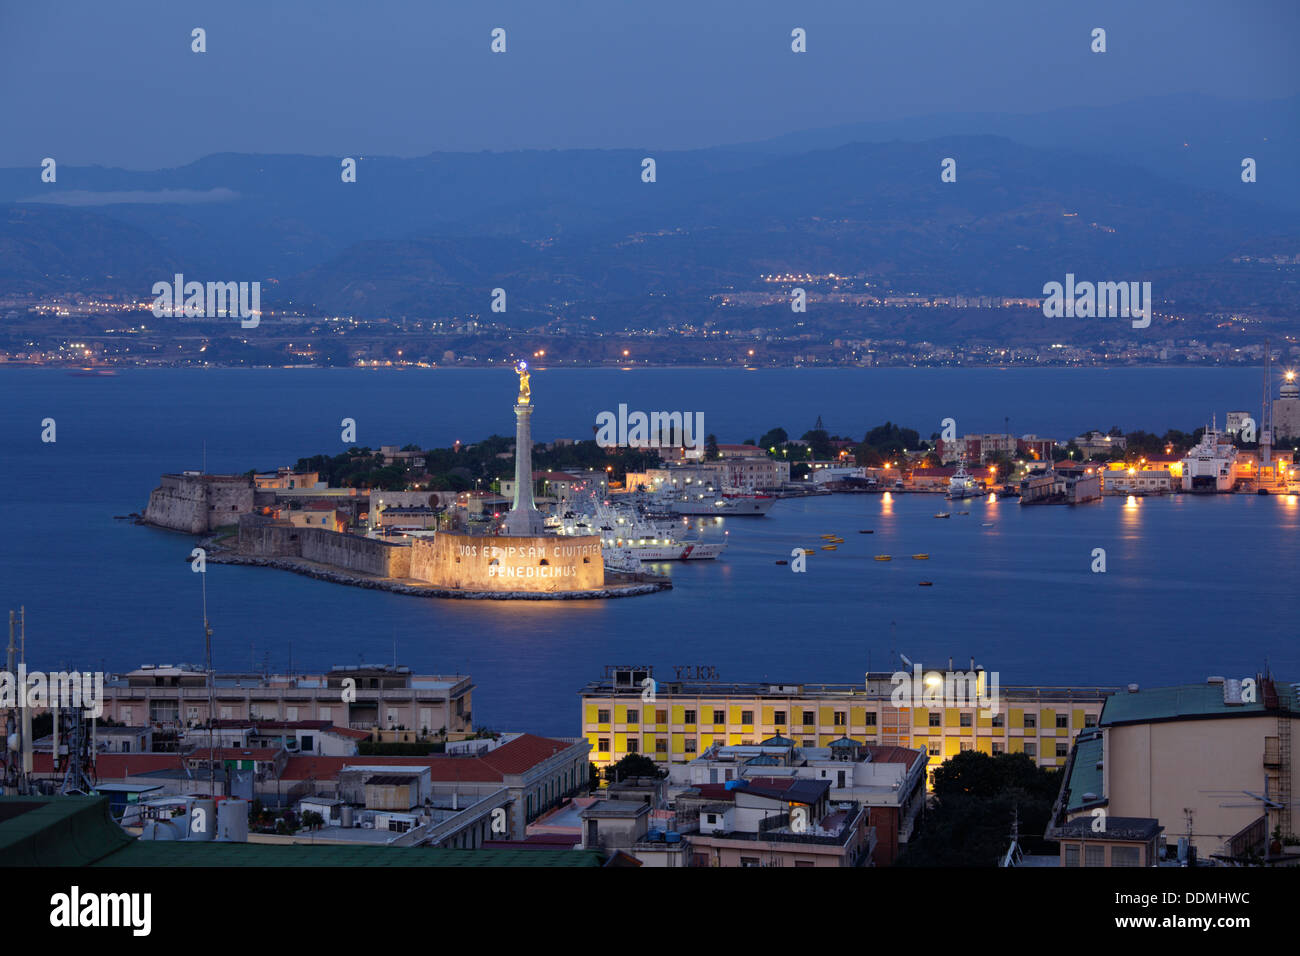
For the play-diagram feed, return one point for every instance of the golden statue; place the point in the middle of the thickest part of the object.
(525, 393)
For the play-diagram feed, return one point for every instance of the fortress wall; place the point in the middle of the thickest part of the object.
(478, 563)
(262, 538)
(177, 505)
(367, 555)
(196, 504)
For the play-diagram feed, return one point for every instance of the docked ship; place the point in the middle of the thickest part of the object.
(633, 538)
(1210, 467)
(707, 501)
(963, 484)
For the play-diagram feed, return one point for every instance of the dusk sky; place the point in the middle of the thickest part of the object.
(117, 84)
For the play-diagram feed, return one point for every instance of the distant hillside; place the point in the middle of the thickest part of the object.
(578, 230)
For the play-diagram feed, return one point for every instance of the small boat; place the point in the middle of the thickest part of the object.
(828, 547)
(963, 512)
(926, 584)
(808, 551)
(783, 562)
(883, 557)
(988, 524)
(827, 537)
(920, 557)
(944, 514)
(866, 532)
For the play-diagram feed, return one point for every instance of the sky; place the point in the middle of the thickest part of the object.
(117, 84)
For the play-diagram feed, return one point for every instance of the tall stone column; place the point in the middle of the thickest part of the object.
(524, 519)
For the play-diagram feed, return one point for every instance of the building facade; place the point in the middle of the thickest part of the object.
(688, 716)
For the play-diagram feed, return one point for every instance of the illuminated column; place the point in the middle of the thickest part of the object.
(524, 519)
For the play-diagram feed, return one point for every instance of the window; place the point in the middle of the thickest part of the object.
(1031, 749)
(809, 718)
(633, 715)
(934, 748)
(711, 817)
(632, 745)
(966, 745)
(1062, 721)
(999, 747)
(1071, 855)
(999, 720)
(661, 745)
(661, 716)
(1125, 856)
(841, 718)
(602, 716)
(746, 716)
(688, 717)
(1062, 749)
(719, 716)
(690, 745)
(1094, 856)
(809, 743)
(1090, 720)
(965, 720)
(779, 717)
(936, 719)
(1031, 721)
(307, 742)
(871, 719)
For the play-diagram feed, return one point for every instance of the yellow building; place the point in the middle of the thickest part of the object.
(674, 721)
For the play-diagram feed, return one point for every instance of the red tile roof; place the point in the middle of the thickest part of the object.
(890, 754)
(517, 756)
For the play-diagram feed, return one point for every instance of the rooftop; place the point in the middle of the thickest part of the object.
(77, 831)
(1194, 702)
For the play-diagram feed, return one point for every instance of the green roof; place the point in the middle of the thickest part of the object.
(1085, 776)
(1185, 702)
(78, 831)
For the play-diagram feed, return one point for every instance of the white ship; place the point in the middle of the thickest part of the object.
(1210, 467)
(963, 485)
(629, 536)
(708, 501)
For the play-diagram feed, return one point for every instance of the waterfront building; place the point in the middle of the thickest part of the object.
(1150, 476)
(1286, 409)
(1097, 445)
(287, 479)
(1211, 763)
(977, 448)
(1066, 483)
(172, 698)
(694, 710)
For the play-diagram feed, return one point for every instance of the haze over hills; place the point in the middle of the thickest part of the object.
(579, 230)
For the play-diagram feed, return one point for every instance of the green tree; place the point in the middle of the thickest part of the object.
(634, 765)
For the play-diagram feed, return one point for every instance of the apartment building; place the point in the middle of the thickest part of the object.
(174, 697)
(1209, 763)
(687, 716)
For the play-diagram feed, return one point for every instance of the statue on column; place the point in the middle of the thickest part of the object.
(525, 392)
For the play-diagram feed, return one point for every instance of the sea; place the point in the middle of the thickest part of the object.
(1192, 586)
